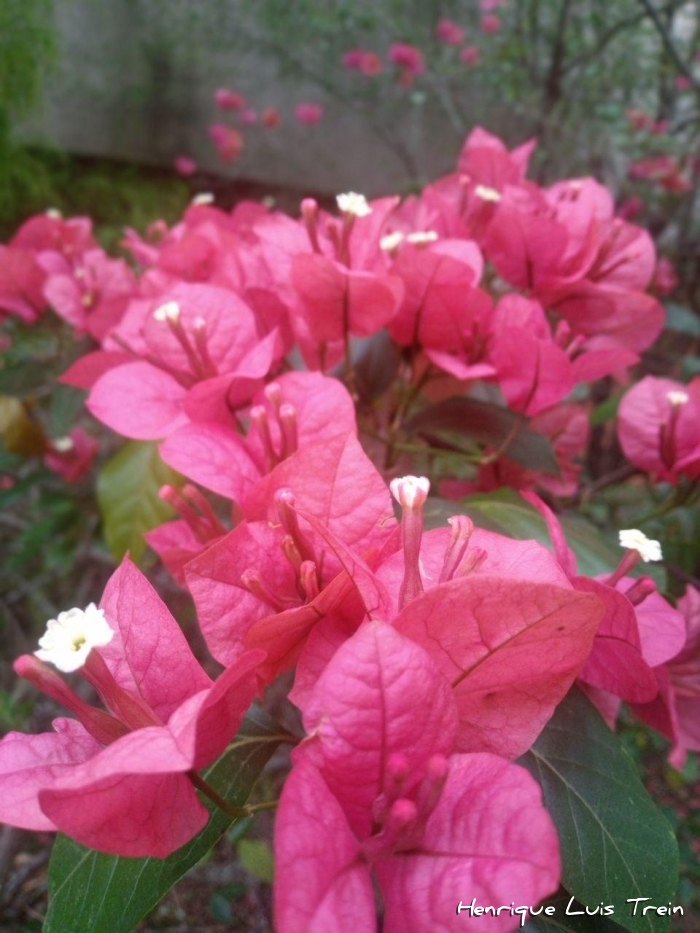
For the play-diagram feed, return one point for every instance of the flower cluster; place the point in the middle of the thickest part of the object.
(425, 661)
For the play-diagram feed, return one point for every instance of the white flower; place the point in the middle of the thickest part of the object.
(677, 398)
(636, 540)
(206, 197)
(352, 203)
(63, 444)
(421, 237)
(391, 240)
(170, 311)
(486, 193)
(410, 491)
(54, 213)
(70, 638)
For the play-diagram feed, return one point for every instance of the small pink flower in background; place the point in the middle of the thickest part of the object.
(639, 119)
(228, 141)
(229, 100)
(71, 457)
(683, 83)
(367, 63)
(470, 55)
(408, 58)
(270, 118)
(630, 208)
(449, 32)
(486, 6)
(309, 113)
(249, 116)
(665, 278)
(660, 127)
(185, 166)
(490, 23)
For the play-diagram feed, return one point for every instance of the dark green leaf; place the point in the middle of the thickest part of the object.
(90, 892)
(489, 424)
(127, 491)
(682, 320)
(615, 844)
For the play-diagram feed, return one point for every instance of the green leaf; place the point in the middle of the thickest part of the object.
(90, 892)
(615, 844)
(127, 491)
(256, 856)
(488, 424)
(505, 512)
(682, 319)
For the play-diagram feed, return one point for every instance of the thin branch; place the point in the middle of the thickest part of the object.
(668, 43)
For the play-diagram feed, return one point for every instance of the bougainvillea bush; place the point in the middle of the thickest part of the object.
(364, 424)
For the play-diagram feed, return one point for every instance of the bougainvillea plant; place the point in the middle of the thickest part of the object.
(326, 392)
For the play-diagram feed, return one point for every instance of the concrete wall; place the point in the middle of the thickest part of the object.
(135, 81)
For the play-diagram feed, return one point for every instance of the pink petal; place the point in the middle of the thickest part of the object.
(152, 652)
(488, 838)
(138, 400)
(321, 885)
(381, 695)
(213, 456)
(511, 650)
(126, 800)
(29, 763)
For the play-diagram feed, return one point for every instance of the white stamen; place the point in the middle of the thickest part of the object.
(676, 397)
(410, 491)
(486, 193)
(206, 197)
(70, 638)
(421, 237)
(352, 203)
(54, 213)
(63, 444)
(170, 311)
(391, 240)
(636, 540)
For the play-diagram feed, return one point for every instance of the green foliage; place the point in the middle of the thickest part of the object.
(91, 892)
(615, 844)
(127, 492)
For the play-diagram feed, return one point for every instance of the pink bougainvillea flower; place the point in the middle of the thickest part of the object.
(309, 113)
(185, 166)
(249, 116)
(297, 409)
(71, 456)
(367, 63)
(197, 356)
(487, 6)
(639, 629)
(664, 170)
(486, 161)
(228, 141)
(470, 55)
(490, 23)
(117, 780)
(21, 284)
(676, 710)
(276, 561)
(229, 100)
(449, 32)
(396, 801)
(271, 118)
(665, 279)
(658, 425)
(92, 296)
(407, 56)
